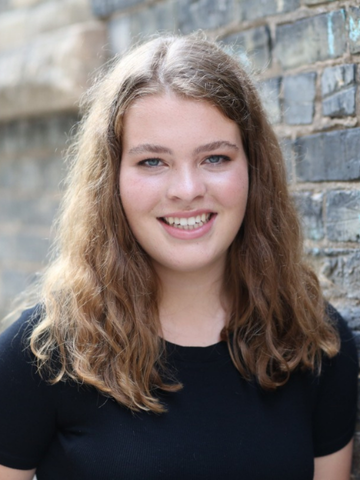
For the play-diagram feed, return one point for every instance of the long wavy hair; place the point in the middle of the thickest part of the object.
(100, 321)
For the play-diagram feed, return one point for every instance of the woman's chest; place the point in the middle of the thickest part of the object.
(218, 426)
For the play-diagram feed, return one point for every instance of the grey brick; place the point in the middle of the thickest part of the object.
(311, 39)
(39, 211)
(344, 273)
(354, 29)
(36, 134)
(207, 14)
(309, 207)
(269, 91)
(23, 247)
(328, 156)
(251, 47)
(351, 314)
(4, 5)
(339, 90)
(343, 216)
(286, 147)
(103, 8)
(355, 470)
(334, 79)
(120, 35)
(299, 98)
(340, 104)
(252, 9)
(32, 174)
(125, 29)
(14, 282)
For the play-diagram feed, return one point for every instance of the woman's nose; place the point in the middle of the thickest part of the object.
(186, 183)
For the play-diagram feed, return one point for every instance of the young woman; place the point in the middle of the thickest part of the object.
(178, 333)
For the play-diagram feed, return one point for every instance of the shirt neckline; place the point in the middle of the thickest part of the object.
(197, 354)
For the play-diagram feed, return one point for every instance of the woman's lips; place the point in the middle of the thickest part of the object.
(190, 227)
(190, 223)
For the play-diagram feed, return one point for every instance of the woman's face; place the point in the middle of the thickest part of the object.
(183, 181)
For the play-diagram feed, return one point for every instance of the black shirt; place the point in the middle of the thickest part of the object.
(217, 426)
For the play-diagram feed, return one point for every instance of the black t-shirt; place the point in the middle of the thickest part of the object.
(217, 426)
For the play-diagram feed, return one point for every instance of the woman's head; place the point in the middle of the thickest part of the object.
(190, 68)
(183, 182)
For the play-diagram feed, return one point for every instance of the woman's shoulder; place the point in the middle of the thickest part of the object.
(14, 341)
(348, 352)
(334, 414)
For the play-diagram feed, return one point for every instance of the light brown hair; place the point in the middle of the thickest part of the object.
(100, 317)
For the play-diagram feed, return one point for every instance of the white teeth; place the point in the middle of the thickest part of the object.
(188, 223)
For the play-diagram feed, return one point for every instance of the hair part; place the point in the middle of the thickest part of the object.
(100, 294)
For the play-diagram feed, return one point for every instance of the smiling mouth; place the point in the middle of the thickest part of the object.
(188, 223)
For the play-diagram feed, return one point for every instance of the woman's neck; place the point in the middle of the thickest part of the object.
(192, 306)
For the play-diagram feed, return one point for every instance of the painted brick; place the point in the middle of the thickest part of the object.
(354, 29)
(299, 98)
(269, 91)
(195, 14)
(124, 29)
(103, 8)
(252, 9)
(251, 47)
(311, 39)
(343, 216)
(317, 2)
(309, 207)
(338, 90)
(328, 156)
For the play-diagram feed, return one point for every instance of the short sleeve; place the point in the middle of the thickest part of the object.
(27, 415)
(335, 411)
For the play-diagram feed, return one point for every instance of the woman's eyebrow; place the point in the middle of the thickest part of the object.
(148, 147)
(208, 147)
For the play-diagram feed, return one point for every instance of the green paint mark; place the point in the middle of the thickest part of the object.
(331, 40)
(354, 32)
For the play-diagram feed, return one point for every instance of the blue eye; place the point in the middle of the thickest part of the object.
(151, 162)
(216, 159)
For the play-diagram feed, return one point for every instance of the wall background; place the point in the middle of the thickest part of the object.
(305, 55)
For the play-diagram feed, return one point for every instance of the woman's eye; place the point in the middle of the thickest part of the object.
(216, 159)
(151, 162)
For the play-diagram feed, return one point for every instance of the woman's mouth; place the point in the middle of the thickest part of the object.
(190, 223)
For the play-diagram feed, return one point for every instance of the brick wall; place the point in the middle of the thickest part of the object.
(304, 54)
(48, 48)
